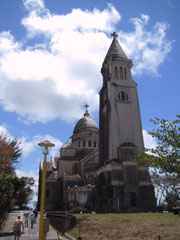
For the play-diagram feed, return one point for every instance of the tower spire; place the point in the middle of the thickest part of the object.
(115, 50)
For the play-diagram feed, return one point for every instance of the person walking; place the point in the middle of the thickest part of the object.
(18, 228)
(26, 219)
(33, 220)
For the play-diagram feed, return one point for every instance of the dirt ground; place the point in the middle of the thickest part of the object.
(149, 226)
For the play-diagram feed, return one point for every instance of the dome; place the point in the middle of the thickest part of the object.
(85, 123)
(68, 144)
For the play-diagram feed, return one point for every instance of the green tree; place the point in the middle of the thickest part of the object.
(23, 191)
(164, 159)
(167, 135)
(13, 190)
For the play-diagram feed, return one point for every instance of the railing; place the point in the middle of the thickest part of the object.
(61, 221)
(6, 236)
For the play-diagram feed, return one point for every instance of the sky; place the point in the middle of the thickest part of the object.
(51, 52)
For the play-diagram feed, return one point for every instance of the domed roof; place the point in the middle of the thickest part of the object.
(68, 144)
(85, 123)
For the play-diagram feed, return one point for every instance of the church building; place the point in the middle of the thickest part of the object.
(97, 169)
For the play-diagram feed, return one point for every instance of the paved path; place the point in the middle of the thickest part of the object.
(29, 234)
(33, 234)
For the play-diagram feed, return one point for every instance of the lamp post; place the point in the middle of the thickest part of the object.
(45, 145)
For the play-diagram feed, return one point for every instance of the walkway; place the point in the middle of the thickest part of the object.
(29, 234)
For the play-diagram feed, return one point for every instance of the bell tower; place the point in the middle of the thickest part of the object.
(120, 121)
(127, 185)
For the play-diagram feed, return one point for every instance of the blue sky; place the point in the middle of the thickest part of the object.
(51, 53)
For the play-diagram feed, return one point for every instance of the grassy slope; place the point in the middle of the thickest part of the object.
(140, 226)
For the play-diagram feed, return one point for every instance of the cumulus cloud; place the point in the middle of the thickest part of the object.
(33, 5)
(30, 145)
(148, 49)
(53, 78)
(76, 20)
(7, 43)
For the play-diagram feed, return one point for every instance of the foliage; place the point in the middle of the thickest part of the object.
(167, 134)
(10, 151)
(14, 190)
(23, 191)
(164, 159)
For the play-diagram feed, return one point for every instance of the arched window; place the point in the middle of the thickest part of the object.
(89, 143)
(94, 144)
(79, 143)
(125, 73)
(84, 143)
(116, 74)
(123, 96)
(121, 73)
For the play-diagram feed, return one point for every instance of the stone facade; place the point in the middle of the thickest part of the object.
(75, 168)
(129, 186)
(97, 168)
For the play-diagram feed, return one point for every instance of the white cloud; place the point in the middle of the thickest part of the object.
(54, 78)
(7, 43)
(4, 131)
(148, 49)
(149, 141)
(30, 145)
(22, 173)
(35, 5)
(76, 20)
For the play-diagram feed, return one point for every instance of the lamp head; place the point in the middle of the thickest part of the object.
(46, 145)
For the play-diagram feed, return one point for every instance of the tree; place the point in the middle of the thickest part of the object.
(167, 135)
(23, 191)
(10, 151)
(164, 159)
(13, 190)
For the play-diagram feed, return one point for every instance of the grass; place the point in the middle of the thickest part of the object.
(132, 226)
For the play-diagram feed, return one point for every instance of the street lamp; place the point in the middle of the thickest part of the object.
(45, 145)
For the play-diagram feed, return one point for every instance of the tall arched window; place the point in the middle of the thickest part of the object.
(84, 143)
(89, 143)
(123, 96)
(121, 73)
(116, 74)
(125, 73)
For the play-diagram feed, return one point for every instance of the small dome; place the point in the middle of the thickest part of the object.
(68, 144)
(85, 123)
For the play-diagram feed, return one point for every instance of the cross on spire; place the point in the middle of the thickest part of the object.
(114, 35)
(86, 106)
